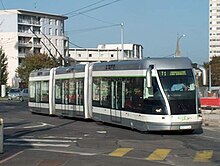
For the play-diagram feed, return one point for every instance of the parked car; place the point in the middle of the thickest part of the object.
(24, 94)
(14, 93)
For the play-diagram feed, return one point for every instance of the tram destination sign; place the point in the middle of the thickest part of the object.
(170, 73)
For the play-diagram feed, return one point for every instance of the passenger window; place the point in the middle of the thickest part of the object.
(72, 91)
(96, 92)
(58, 92)
(65, 89)
(105, 93)
(79, 92)
(32, 91)
(45, 91)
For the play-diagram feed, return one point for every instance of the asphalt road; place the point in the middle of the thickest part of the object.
(37, 140)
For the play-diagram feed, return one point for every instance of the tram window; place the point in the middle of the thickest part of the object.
(65, 89)
(102, 92)
(32, 92)
(128, 94)
(137, 94)
(58, 91)
(105, 92)
(96, 92)
(72, 91)
(38, 92)
(45, 91)
(79, 92)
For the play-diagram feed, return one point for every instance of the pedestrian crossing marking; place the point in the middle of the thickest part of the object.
(159, 154)
(203, 156)
(120, 152)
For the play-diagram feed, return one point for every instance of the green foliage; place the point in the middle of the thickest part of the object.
(3, 68)
(215, 70)
(34, 62)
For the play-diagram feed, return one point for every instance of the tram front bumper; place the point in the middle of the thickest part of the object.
(174, 126)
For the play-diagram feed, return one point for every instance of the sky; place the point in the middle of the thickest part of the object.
(155, 24)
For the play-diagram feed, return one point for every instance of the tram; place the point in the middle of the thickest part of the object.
(148, 95)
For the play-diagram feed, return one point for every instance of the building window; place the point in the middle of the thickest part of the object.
(56, 32)
(61, 32)
(79, 55)
(50, 31)
(90, 55)
(57, 22)
(112, 55)
(50, 21)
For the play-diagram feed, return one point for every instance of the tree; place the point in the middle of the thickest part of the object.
(3, 68)
(215, 71)
(34, 62)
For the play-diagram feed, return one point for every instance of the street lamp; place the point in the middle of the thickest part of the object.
(122, 41)
(177, 53)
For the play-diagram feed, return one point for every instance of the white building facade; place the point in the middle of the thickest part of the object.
(214, 28)
(107, 52)
(25, 32)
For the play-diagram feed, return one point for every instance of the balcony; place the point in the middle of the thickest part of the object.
(37, 45)
(24, 44)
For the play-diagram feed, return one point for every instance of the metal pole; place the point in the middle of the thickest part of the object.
(1, 136)
(177, 52)
(122, 41)
(210, 78)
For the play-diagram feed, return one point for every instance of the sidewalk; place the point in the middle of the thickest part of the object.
(211, 117)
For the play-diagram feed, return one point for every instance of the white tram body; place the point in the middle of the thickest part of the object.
(148, 95)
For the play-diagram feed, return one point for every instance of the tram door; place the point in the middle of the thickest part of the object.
(116, 100)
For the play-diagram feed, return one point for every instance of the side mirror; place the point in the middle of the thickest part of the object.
(149, 77)
(204, 76)
(203, 70)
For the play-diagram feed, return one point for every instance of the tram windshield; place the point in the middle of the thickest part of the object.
(179, 87)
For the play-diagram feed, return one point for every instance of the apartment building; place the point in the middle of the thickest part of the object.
(107, 52)
(214, 28)
(24, 32)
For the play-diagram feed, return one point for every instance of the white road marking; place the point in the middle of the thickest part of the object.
(36, 140)
(71, 138)
(10, 157)
(40, 142)
(36, 144)
(9, 128)
(29, 127)
(101, 132)
(36, 126)
(67, 152)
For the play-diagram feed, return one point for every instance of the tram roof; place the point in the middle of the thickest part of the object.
(158, 63)
(40, 72)
(69, 69)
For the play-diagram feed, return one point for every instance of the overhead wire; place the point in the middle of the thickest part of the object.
(75, 45)
(95, 8)
(94, 18)
(74, 11)
(3, 5)
(94, 28)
